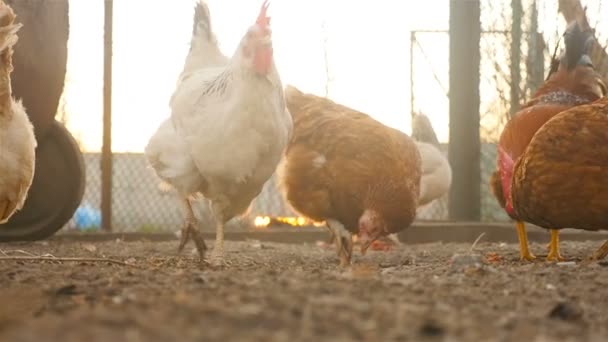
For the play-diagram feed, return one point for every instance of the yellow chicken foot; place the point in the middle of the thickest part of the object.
(190, 231)
(554, 247)
(601, 253)
(524, 250)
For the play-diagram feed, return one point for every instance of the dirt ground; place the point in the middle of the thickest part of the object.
(296, 292)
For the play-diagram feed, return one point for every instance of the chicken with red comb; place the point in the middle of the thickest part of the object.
(573, 83)
(228, 127)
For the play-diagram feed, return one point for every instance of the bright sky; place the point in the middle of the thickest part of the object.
(367, 46)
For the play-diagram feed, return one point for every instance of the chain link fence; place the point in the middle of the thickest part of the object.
(142, 203)
(516, 45)
(517, 41)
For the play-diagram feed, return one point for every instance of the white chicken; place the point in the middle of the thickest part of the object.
(17, 141)
(228, 128)
(436, 171)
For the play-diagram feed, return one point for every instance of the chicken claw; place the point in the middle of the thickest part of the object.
(344, 242)
(554, 247)
(4, 209)
(190, 231)
(601, 253)
(217, 255)
(524, 250)
(217, 260)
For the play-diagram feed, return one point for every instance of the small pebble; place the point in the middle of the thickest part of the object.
(566, 312)
(431, 328)
(566, 263)
(464, 262)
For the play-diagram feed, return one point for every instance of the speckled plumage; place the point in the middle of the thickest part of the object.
(574, 83)
(562, 179)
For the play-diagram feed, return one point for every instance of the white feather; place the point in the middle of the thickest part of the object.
(228, 126)
(436, 173)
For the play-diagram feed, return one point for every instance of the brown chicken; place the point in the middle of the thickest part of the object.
(349, 170)
(570, 83)
(561, 181)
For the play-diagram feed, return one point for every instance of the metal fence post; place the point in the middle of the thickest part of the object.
(106, 150)
(464, 149)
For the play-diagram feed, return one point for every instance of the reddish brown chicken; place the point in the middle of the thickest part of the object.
(573, 83)
(561, 181)
(349, 170)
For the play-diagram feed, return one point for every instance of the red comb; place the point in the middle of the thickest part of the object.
(263, 19)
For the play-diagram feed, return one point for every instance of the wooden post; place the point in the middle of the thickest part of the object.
(517, 10)
(106, 149)
(464, 148)
(412, 40)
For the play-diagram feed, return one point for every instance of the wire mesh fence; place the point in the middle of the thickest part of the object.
(142, 203)
(517, 41)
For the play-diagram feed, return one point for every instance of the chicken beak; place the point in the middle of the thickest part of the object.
(367, 240)
(365, 245)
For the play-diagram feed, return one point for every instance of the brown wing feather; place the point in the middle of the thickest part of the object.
(340, 160)
(562, 179)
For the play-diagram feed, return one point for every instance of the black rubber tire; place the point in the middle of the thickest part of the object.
(40, 59)
(56, 192)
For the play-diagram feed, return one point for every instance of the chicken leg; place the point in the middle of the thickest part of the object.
(524, 250)
(601, 253)
(191, 231)
(344, 241)
(554, 247)
(217, 255)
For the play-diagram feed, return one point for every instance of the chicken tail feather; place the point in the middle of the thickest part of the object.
(578, 43)
(8, 38)
(204, 50)
(422, 130)
(202, 23)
